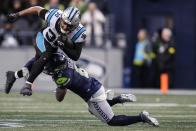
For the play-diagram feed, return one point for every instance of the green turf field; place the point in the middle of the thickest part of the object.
(42, 112)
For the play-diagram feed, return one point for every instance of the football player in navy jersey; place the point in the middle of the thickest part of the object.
(63, 30)
(67, 75)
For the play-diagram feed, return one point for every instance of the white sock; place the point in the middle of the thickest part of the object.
(16, 74)
(27, 82)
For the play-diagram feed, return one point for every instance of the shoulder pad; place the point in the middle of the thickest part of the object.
(79, 34)
(49, 17)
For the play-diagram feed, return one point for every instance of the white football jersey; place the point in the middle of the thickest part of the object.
(51, 32)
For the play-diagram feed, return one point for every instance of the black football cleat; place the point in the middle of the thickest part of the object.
(10, 75)
(26, 90)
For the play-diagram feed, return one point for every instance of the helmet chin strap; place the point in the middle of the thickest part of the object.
(62, 31)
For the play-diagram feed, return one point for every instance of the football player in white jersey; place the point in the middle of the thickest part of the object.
(63, 30)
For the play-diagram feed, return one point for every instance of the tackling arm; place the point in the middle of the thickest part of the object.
(60, 94)
(73, 50)
(32, 10)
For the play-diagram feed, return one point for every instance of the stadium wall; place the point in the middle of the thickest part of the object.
(108, 60)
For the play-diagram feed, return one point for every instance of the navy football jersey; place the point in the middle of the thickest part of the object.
(77, 80)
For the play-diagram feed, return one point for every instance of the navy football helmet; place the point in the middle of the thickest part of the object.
(56, 64)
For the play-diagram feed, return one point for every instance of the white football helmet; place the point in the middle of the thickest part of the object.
(70, 16)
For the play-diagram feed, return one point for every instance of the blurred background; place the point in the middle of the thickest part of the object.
(130, 43)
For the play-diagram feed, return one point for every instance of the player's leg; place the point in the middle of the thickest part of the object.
(36, 69)
(11, 76)
(102, 110)
(99, 107)
(44, 52)
(122, 99)
(122, 120)
(24, 72)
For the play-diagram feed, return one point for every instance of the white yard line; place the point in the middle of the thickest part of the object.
(44, 120)
(154, 91)
(176, 116)
(14, 99)
(192, 105)
(158, 105)
(80, 120)
(10, 125)
(52, 111)
(122, 90)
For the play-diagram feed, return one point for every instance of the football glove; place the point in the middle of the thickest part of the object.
(12, 17)
(26, 90)
(64, 42)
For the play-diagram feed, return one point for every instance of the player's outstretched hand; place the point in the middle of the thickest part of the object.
(12, 17)
(26, 90)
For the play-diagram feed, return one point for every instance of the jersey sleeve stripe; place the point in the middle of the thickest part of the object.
(78, 34)
(50, 15)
